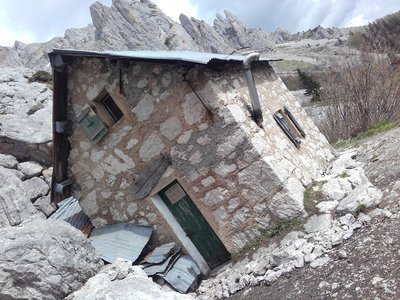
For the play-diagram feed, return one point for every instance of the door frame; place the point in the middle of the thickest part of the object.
(180, 234)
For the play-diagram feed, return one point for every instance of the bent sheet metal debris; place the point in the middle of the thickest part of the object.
(167, 262)
(124, 240)
(71, 212)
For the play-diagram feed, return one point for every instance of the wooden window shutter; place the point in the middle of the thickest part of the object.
(92, 125)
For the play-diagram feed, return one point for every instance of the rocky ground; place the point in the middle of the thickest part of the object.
(366, 265)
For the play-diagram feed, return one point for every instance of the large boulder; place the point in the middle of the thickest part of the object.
(121, 280)
(15, 205)
(44, 259)
(25, 116)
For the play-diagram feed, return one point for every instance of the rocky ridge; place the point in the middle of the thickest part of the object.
(141, 25)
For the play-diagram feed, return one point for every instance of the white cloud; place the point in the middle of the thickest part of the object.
(358, 20)
(174, 8)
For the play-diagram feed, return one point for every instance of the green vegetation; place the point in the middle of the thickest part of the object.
(374, 129)
(312, 196)
(362, 208)
(312, 86)
(377, 128)
(274, 230)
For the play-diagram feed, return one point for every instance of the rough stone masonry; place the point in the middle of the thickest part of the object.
(243, 178)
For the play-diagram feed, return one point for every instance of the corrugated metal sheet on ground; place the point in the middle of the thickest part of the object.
(183, 274)
(186, 56)
(71, 212)
(123, 240)
(159, 254)
(163, 268)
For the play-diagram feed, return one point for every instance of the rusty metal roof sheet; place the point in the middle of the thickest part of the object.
(183, 274)
(123, 240)
(71, 212)
(203, 58)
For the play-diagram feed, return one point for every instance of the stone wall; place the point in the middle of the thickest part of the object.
(242, 177)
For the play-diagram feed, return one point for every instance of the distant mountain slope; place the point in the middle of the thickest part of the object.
(139, 25)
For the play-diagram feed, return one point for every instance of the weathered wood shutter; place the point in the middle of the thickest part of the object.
(149, 177)
(286, 128)
(91, 124)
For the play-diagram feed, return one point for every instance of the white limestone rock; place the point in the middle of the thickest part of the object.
(44, 205)
(121, 280)
(35, 188)
(318, 223)
(30, 169)
(171, 128)
(8, 161)
(319, 262)
(326, 207)
(288, 203)
(366, 195)
(336, 189)
(216, 196)
(151, 147)
(15, 205)
(193, 109)
(51, 257)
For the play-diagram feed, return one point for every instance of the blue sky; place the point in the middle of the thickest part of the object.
(40, 20)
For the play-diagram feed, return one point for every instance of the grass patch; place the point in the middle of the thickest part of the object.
(273, 231)
(377, 128)
(362, 208)
(373, 130)
(311, 198)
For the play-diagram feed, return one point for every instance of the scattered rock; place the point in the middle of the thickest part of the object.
(44, 205)
(8, 161)
(318, 223)
(35, 188)
(30, 169)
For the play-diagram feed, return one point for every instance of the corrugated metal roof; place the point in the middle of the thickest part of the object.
(123, 240)
(71, 212)
(203, 58)
(163, 268)
(159, 254)
(183, 274)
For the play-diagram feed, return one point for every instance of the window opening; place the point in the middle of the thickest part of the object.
(112, 108)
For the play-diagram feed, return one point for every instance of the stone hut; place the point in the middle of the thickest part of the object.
(209, 149)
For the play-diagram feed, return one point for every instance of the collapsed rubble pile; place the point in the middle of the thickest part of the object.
(345, 189)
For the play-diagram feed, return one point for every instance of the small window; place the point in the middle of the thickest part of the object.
(290, 126)
(105, 106)
(112, 108)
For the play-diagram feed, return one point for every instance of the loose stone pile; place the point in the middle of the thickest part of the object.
(345, 189)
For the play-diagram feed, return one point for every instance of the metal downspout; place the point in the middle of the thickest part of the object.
(255, 101)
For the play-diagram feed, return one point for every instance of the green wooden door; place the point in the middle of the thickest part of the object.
(194, 224)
